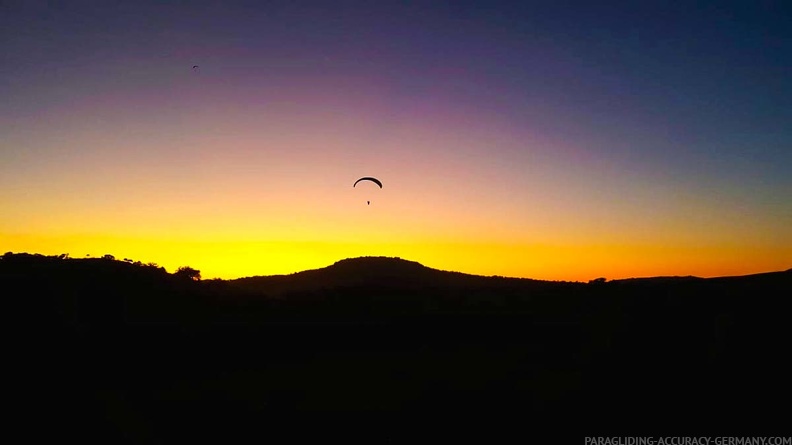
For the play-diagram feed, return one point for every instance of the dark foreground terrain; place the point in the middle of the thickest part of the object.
(119, 352)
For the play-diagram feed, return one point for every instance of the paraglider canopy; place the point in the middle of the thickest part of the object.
(368, 178)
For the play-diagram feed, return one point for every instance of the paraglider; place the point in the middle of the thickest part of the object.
(368, 178)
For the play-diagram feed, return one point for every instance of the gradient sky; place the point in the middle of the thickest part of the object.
(552, 140)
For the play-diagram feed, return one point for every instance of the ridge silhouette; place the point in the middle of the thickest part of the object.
(149, 355)
(370, 271)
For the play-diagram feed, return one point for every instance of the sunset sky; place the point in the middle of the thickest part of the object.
(551, 140)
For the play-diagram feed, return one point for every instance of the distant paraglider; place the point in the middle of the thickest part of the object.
(368, 178)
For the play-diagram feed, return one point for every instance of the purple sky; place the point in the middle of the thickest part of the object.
(597, 130)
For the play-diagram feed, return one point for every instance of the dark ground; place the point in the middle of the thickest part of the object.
(114, 352)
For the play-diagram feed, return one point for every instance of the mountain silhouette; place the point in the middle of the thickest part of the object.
(125, 351)
(370, 271)
(107, 291)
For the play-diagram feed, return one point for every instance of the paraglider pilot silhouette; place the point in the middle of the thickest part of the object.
(368, 178)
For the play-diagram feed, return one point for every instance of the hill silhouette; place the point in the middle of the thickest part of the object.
(383, 282)
(128, 352)
(369, 271)
(364, 271)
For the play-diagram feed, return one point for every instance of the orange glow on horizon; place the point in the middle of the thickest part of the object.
(228, 259)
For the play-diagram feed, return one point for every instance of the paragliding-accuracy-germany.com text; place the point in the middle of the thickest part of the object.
(681, 440)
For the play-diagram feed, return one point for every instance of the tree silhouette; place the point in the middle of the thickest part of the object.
(188, 272)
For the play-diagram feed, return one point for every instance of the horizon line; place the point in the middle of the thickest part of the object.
(68, 256)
